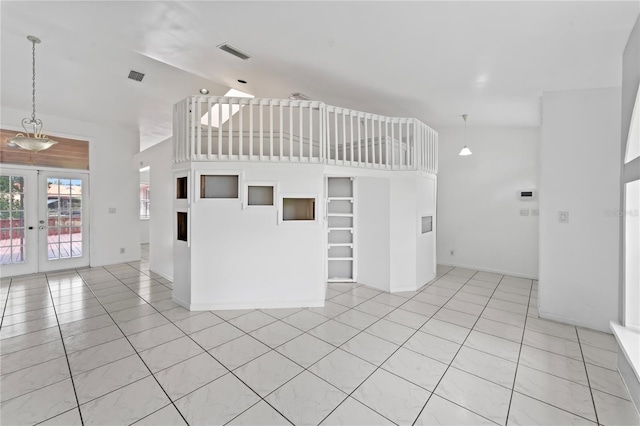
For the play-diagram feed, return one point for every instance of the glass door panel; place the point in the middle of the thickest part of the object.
(63, 225)
(18, 208)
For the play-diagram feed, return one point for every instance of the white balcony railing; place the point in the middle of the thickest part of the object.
(213, 128)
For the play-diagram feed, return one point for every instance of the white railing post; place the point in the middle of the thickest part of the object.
(300, 122)
(281, 130)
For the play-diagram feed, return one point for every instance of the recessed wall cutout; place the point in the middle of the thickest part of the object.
(427, 224)
(182, 226)
(298, 209)
(181, 187)
(219, 186)
(260, 195)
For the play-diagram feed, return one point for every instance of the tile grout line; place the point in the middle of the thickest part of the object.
(458, 351)
(6, 302)
(515, 376)
(64, 347)
(135, 350)
(593, 401)
(427, 285)
(224, 366)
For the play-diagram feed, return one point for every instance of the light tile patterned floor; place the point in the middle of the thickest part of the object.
(108, 346)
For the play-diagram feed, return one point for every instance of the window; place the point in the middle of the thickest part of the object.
(145, 201)
(427, 224)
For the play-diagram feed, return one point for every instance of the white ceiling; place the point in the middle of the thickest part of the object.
(430, 60)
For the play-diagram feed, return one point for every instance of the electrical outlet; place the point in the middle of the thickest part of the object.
(563, 217)
(524, 212)
(121, 250)
(452, 252)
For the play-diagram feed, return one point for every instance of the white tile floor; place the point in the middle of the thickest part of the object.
(108, 346)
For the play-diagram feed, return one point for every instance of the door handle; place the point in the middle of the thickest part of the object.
(31, 227)
(41, 227)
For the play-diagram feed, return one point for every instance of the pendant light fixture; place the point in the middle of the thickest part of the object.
(465, 151)
(34, 140)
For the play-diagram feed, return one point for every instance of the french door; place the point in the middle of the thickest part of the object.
(43, 220)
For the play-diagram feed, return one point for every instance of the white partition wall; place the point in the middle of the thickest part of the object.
(286, 195)
(251, 256)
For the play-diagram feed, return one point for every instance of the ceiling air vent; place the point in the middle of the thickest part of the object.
(135, 75)
(235, 52)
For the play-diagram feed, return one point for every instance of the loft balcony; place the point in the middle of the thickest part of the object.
(215, 128)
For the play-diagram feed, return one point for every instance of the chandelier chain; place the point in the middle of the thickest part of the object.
(33, 81)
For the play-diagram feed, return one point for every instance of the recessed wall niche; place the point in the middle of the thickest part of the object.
(182, 226)
(427, 224)
(260, 195)
(181, 187)
(298, 209)
(219, 186)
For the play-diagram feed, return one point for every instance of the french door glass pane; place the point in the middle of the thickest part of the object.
(64, 223)
(12, 206)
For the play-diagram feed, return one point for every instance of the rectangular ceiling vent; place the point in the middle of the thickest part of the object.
(135, 75)
(235, 52)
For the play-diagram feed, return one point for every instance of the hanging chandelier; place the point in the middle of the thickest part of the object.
(34, 140)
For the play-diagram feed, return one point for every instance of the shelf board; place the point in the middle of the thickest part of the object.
(340, 280)
(340, 198)
(341, 245)
(340, 214)
(340, 258)
(340, 229)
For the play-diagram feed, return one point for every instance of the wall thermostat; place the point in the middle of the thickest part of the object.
(527, 195)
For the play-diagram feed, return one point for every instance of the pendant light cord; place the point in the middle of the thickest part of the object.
(33, 80)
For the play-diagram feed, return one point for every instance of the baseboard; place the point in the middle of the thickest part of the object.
(496, 271)
(213, 306)
(580, 323)
(629, 378)
(180, 301)
(165, 276)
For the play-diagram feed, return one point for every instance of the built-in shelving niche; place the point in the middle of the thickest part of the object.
(181, 188)
(298, 209)
(219, 186)
(182, 226)
(260, 195)
(340, 216)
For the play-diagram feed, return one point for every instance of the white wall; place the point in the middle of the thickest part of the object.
(580, 174)
(372, 220)
(113, 183)
(478, 208)
(392, 253)
(243, 258)
(426, 192)
(160, 223)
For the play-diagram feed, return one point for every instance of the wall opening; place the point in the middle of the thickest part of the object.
(219, 186)
(182, 226)
(298, 209)
(260, 195)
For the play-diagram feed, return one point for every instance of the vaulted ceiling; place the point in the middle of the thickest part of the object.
(433, 60)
